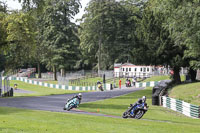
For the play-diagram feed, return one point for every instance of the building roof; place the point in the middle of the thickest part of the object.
(117, 65)
(127, 64)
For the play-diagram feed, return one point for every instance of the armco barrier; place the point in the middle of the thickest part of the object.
(56, 86)
(78, 88)
(147, 84)
(181, 106)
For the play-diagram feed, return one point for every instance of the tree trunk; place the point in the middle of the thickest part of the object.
(193, 74)
(176, 76)
(62, 71)
(39, 71)
(54, 71)
(99, 56)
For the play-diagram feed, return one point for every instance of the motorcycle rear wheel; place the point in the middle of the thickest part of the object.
(139, 114)
(69, 107)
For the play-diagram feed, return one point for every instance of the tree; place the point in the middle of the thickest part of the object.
(35, 8)
(183, 23)
(156, 44)
(28, 5)
(20, 39)
(3, 35)
(107, 33)
(58, 34)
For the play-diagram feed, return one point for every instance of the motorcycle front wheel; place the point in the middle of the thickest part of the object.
(125, 114)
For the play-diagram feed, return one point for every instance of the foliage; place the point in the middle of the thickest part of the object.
(153, 32)
(57, 33)
(184, 26)
(105, 33)
(157, 46)
(20, 39)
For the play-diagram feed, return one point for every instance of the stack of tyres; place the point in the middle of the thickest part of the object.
(157, 90)
(155, 95)
(155, 100)
(11, 92)
(154, 89)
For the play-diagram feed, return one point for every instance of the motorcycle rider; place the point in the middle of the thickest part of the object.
(79, 97)
(99, 85)
(140, 101)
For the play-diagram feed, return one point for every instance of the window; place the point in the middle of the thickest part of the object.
(129, 69)
(126, 69)
(144, 69)
(141, 69)
(135, 69)
(147, 69)
(123, 69)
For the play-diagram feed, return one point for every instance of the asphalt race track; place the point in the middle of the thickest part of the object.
(55, 103)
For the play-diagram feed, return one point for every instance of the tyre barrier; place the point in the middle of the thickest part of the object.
(181, 106)
(155, 100)
(157, 90)
(9, 93)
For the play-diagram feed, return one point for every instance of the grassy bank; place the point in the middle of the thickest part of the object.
(37, 90)
(188, 92)
(116, 106)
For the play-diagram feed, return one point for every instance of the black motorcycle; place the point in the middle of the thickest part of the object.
(135, 111)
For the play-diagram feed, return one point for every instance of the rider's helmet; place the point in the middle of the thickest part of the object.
(80, 95)
(144, 99)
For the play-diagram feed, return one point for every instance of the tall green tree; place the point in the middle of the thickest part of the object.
(156, 44)
(107, 33)
(183, 23)
(3, 13)
(58, 34)
(35, 8)
(20, 39)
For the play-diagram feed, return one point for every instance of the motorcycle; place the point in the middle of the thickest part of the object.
(135, 111)
(99, 85)
(73, 103)
(128, 83)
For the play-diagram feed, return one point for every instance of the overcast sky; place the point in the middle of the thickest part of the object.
(14, 4)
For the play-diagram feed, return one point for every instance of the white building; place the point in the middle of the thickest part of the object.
(130, 70)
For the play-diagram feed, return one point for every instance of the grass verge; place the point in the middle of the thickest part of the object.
(157, 78)
(163, 77)
(14, 120)
(38, 90)
(187, 92)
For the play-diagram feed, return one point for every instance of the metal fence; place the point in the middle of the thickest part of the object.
(5, 89)
(77, 77)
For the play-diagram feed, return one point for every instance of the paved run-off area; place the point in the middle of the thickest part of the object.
(55, 103)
